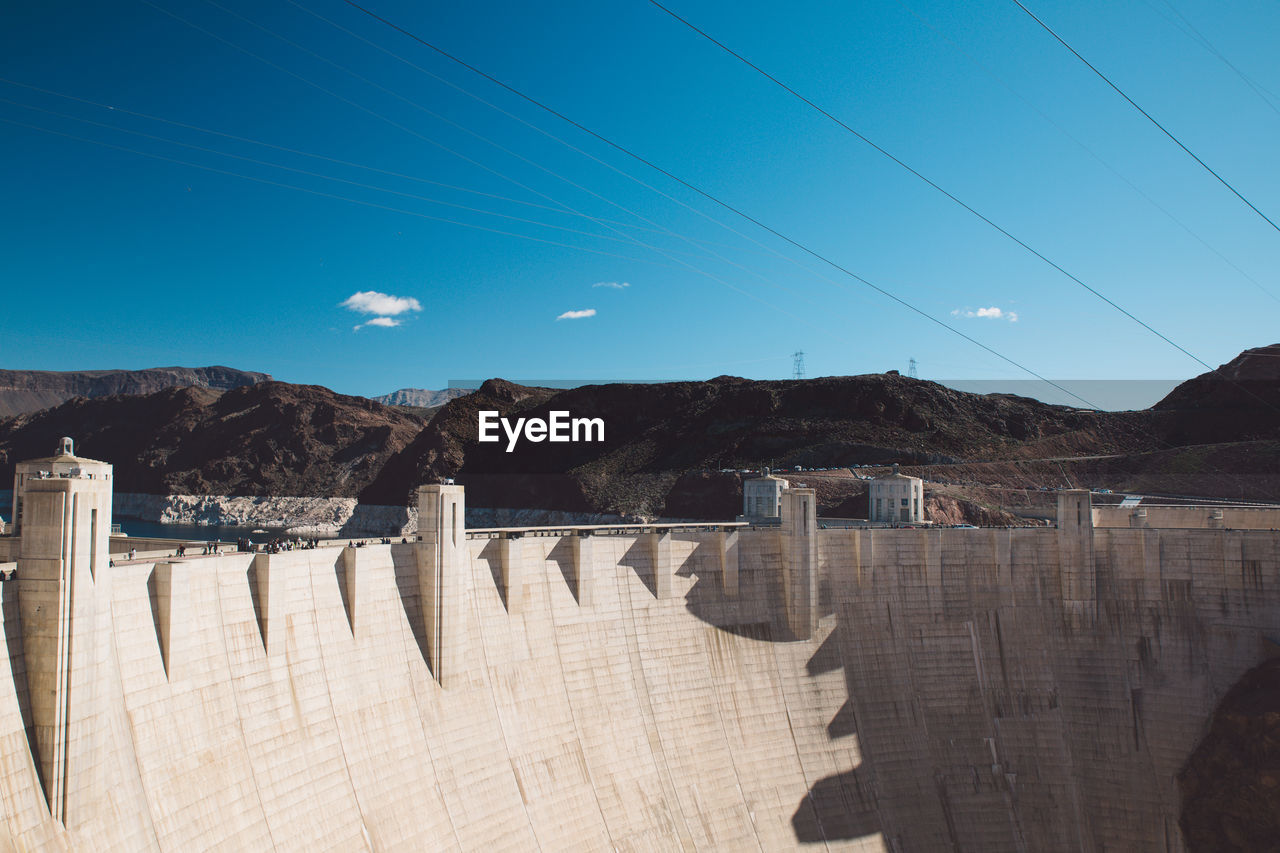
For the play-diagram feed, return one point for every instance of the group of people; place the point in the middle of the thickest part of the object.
(275, 546)
(209, 548)
(386, 540)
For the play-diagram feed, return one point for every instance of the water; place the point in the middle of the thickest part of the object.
(194, 532)
(154, 529)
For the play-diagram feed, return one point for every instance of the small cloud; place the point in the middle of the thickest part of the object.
(381, 322)
(992, 313)
(577, 315)
(373, 302)
(616, 285)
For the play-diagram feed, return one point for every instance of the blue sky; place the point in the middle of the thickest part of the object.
(117, 259)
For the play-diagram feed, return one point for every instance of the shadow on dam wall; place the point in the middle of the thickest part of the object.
(17, 668)
(841, 807)
(1006, 692)
(962, 690)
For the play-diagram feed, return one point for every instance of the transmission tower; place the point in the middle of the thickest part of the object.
(911, 369)
(797, 369)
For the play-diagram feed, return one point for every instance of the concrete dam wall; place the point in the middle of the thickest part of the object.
(1032, 689)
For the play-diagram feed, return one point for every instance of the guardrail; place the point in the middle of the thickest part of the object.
(604, 529)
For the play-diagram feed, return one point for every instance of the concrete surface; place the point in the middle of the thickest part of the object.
(1027, 689)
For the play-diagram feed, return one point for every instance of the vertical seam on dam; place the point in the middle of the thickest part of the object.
(502, 731)
(235, 699)
(651, 723)
(791, 731)
(418, 701)
(333, 715)
(573, 715)
(733, 764)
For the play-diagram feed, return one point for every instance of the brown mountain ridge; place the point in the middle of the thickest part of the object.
(660, 439)
(24, 391)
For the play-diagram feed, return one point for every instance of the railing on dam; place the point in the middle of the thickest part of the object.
(606, 529)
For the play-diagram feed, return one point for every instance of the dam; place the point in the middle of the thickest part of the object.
(694, 687)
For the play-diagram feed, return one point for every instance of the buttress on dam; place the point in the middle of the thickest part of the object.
(676, 687)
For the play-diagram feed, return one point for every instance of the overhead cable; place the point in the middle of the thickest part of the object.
(1093, 154)
(425, 138)
(933, 184)
(737, 211)
(1146, 115)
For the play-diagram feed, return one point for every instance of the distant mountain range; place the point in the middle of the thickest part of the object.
(669, 446)
(32, 390)
(421, 398)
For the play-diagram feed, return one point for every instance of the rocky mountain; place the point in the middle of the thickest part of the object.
(269, 438)
(673, 449)
(31, 390)
(421, 398)
(440, 451)
(656, 433)
(1237, 402)
(1250, 380)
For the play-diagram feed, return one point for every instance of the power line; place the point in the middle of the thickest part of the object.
(1006, 233)
(374, 113)
(505, 150)
(554, 137)
(476, 163)
(321, 176)
(605, 163)
(1145, 114)
(1264, 94)
(927, 180)
(1093, 154)
(638, 158)
(335, 160)
(315, 192)
(462, 89)
(754, 221)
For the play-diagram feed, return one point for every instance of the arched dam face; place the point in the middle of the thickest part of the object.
(905, 690)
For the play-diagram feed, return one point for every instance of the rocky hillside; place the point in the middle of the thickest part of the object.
(421, 398)
(1240, 401)
(1249, 380)
(31, 390)
(668, 447)
(657, 433)
(269, 438)
(440, 450)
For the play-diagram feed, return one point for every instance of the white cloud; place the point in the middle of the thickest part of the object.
(382, 322)
(992, 313)
(577, 315)
(616, 285)
(373, 302)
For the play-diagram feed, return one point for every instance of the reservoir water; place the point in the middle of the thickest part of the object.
(194, 532)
